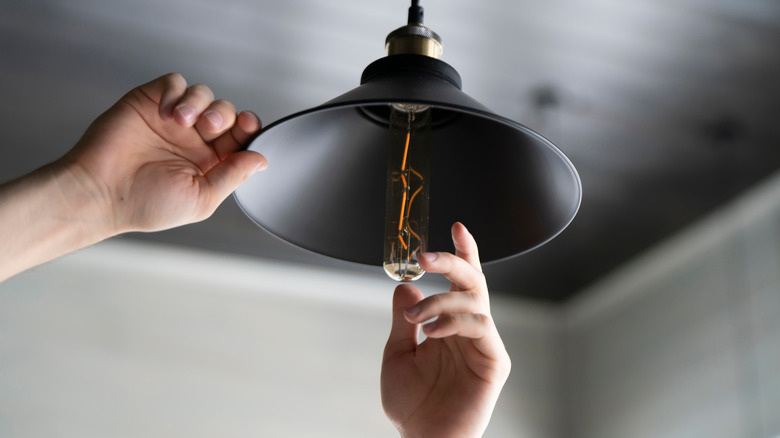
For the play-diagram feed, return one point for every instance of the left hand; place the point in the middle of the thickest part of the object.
(448, 385)
(165, 155)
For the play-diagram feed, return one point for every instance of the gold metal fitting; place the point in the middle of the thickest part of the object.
(414, 39)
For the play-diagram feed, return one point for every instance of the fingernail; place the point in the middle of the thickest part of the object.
(261, 166)
(430, 256)
(431, 326)
(214, 118)
(254, 116)
(187, 113)
(413, 311)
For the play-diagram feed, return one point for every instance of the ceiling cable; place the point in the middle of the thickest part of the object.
(416, 13)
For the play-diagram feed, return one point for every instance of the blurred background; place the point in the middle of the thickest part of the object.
(655, 314)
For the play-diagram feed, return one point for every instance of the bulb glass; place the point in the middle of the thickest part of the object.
(408, 181)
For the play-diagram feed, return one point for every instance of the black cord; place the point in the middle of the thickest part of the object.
(416, 12)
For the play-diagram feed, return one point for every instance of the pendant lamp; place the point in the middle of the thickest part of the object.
(379, 174)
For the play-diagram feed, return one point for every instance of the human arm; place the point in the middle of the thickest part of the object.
(164, 155)
(448, 385)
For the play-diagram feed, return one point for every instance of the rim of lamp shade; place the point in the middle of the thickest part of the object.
(324, 189)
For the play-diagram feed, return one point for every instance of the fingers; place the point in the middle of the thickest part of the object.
(462, 311)
(230, 173)
(469, 325)
(462, 314)
(465, 245)
(185, 104)
(191, 106)
(215, 120)
(238, 137)
(403, 334)
(446, 303)
(478, 327)
(247, 127)
(168, 89)
(462, 274)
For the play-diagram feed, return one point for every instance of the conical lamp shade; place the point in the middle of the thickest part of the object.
(324, 189)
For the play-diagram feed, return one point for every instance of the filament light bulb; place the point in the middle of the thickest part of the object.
(406, 212)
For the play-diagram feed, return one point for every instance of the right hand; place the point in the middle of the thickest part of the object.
(448, 385)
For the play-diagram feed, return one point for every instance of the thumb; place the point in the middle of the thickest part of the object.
(403, 334)
(227, 175)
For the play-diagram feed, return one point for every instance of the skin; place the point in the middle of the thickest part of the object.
(167, 154)
(164, 155)
(447, 385)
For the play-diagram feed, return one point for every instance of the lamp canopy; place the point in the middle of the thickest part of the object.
(324, 189)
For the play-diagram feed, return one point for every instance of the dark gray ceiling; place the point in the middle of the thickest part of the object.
(667, 109)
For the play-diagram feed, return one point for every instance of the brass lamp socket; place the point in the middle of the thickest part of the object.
(414, 39)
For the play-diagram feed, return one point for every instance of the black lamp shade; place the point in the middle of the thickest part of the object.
(324, 189)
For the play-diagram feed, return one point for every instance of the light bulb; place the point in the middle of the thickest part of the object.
(406, 212)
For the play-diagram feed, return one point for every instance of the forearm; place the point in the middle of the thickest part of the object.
(46, 214)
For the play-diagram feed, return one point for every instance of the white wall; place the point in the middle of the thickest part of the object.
(126, 339)
(129, 339)
(685, 340)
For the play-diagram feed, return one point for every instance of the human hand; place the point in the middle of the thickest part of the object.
(448, 385)
(164, 155)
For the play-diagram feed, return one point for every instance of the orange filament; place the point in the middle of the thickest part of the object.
(406, 150)
(406, 207)
(406, 184)
(403, 206)
(414, 196)
(416, 236)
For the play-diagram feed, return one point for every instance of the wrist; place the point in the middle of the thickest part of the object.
(46, 214)
(85, 202)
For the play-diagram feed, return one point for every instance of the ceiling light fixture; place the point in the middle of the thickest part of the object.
(405, 146)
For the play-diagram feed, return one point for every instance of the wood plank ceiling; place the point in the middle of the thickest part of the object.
(667, 109)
